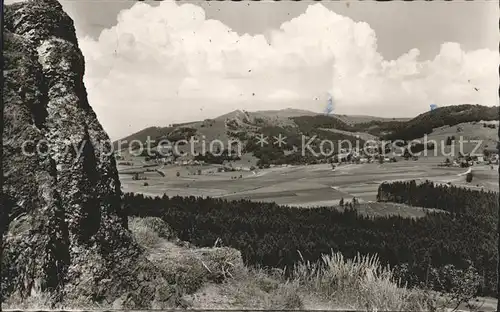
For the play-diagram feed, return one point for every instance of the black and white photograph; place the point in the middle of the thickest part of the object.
(250, 155)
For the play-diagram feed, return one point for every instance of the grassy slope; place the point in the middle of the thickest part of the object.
(360, 283)
(470, 131)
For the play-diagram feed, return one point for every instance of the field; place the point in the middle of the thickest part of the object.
(303, 186)
(316, 185)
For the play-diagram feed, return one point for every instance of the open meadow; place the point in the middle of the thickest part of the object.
(300, 186)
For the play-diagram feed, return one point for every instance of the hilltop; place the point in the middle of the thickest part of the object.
(245, 127)
(471, 121)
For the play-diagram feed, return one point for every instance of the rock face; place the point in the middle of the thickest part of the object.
(64, 229)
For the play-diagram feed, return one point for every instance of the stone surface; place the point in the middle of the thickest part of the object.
(64, 232)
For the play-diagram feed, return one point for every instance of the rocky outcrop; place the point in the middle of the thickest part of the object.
(64, 231)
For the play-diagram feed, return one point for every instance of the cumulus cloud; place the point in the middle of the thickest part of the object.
(169, 63)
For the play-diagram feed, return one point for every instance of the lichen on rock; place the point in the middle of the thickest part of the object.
(65, 232)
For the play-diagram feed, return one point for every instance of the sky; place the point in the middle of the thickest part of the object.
(156, 63)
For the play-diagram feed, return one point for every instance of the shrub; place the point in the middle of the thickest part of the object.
(462, 284)
(468, 177)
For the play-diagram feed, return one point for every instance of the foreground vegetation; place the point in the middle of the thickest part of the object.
(422, 251)
(215, 278)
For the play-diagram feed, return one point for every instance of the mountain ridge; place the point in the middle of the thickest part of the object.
(246, 127)
(358, 122)
(283, 113)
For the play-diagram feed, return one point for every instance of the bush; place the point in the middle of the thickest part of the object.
(462, 285)
(468, 177)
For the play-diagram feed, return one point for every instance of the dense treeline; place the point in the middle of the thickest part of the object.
(444, 197)
(270, 235)
(442, 116)
(477, 207)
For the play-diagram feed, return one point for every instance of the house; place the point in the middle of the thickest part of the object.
(164, 150)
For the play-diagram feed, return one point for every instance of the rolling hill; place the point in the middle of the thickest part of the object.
(246, 127)
(443, 116)
(296, 125)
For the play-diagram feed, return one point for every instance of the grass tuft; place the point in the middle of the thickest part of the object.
(361, 283)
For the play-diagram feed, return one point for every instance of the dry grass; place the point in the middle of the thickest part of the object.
(268, 291)
(149, 231)
(334, 283)
(251, 289)
(361, 283)
(215, 278)
(43, 301)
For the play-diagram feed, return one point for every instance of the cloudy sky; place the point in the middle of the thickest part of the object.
(155, 63)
